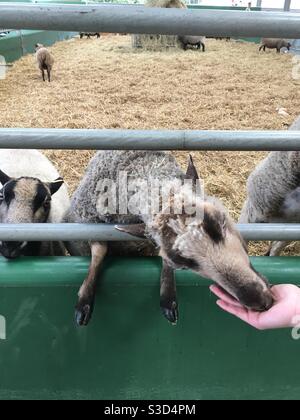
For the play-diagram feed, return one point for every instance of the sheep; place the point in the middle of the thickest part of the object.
(198, 41)
(273, 192)
(274, 43)
(210, 245)
(89, 34)
(31, 192)
(45, 60)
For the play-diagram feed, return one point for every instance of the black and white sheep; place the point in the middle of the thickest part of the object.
(31, 191)
(210, 245)
(89, 34)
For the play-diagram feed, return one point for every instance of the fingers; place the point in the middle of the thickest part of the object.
(225, 297)
(233, 307)
(283, 291)
(239, 312)
(251, 318)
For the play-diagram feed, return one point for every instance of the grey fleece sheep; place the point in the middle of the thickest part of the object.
(45, 60)
(108, 165)
(194, 41)
(274, 191)
(200, 236)
(274, 43)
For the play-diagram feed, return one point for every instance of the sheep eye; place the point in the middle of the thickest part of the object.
(47, 204)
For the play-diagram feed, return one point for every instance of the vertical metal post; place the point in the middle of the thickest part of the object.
(287, 5)
(22, 43)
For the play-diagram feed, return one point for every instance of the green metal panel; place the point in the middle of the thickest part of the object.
(11, 47)
(14, 46)
(129, 351)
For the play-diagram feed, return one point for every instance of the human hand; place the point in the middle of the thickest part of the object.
(283, 314)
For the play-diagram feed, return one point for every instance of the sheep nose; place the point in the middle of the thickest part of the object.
(269, 302)
(254, 298)
(266, 304)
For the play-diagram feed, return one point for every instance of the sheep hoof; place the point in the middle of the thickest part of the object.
(83, 313)
(171, 312)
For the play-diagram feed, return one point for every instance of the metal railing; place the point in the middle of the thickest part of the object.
(148, 139)
(146, 20)
(131, 19)
(105, 232)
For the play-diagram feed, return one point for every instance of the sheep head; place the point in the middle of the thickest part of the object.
(209, 245)
(24, 200)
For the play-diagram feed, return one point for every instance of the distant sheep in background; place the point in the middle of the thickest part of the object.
(89, 34)
(274, 191)
(274, 43)
(193, 41)
(45, 60)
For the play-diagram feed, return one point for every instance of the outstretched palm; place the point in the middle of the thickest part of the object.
(283, 314)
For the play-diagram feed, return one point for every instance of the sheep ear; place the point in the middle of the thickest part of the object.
(192, 171)
(4, 179)
(55, 186)
(138, 230)
(214, 224)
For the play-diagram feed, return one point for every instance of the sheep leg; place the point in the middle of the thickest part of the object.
(276, 248)
(87, 292)
(203, 47)
(49, 74)
(168, 295)
(78, 248)
(43, 74)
